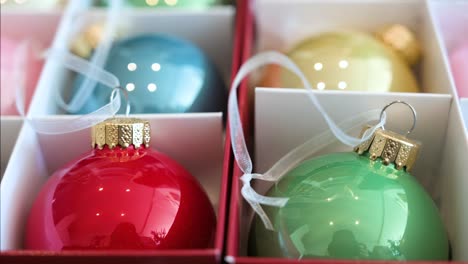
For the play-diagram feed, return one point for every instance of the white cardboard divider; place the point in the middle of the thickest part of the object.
(450, 19)
(210, 29)
(301, 19)
(464, 109)
(454, 195)
(194, 140)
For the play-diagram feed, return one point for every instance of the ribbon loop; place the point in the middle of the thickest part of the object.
(300, 153)
(91, 69)
(98, 60)
(58, 126)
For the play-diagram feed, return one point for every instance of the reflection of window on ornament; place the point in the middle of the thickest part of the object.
(152, 87)
(171, 2)
(343, 64)
(130, 87)
(342, 85)
(318, 66)
(321, 85)
(156, 66)
(132, 66)
(152, 2)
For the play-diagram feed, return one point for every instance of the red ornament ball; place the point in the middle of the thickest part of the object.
(121, 198)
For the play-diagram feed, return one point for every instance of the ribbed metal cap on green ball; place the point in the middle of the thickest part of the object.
(391, 147)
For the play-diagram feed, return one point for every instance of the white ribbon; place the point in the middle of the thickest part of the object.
(293, 158)
(98, 59)
(72, 62)
(91, 70)
(75, 63)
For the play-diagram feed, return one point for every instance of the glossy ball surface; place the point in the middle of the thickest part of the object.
(459, 65)
(121, 199)
(162, 74)
(348, 61)
(345, 206)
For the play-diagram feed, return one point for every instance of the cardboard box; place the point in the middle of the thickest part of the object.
(36, 155)
(441, 167)
(19, 24)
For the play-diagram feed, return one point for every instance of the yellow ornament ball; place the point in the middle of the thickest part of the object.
(352, 61)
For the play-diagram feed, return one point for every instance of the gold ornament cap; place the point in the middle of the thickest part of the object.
(391, 147)
(402, 40)
(121, 132)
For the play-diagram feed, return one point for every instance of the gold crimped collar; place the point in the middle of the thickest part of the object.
(391, 148)
(121, 132)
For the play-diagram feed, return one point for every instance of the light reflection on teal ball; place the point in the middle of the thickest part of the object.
(162, 74)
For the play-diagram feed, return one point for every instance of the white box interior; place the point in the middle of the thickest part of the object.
(36, 156)
(450, 20)
(210, 29)
(301, 19)
(10, 128)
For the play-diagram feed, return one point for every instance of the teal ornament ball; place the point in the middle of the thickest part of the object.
(161, 74)
(351, 206)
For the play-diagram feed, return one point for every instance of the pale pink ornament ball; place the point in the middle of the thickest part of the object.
(459, 65)
(29, 67)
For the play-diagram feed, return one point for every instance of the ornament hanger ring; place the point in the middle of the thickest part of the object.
(410, 107)
(113, 94)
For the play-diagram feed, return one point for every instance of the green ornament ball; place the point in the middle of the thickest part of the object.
(347, 206)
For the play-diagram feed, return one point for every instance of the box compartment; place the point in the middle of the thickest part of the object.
(42, 154)
(441, 167)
